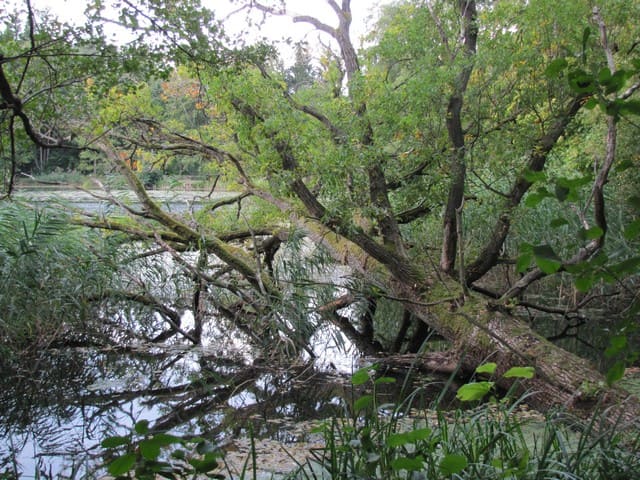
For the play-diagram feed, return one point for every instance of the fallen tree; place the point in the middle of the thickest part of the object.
(376, 171)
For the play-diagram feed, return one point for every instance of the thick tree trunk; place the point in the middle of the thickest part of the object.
(482, 334)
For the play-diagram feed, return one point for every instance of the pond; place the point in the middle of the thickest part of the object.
(59, 404)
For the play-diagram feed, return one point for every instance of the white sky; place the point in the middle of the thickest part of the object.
(364, 12)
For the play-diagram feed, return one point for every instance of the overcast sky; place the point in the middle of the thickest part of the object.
(275, 29)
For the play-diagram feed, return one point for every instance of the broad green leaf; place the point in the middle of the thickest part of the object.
(113, 442)
(164, 439)
(632, 230)
(361, 376)
(546, 259)
(617, 344)
(634, 201)
(581, 81)
(558, 222)
(362, 403)
(562, 192)
(534, 176)
(142, 427)
(519, 372)
(473, 391)
(615, 373)
(523, 262)
(489, 368)
(556, 67)
(122, 465)
(150, 449)
(630, 106)
(584, 283)
(412, 436)
(591, 233)
(208, 463)
(453, 464)
(628, 266)
(408, 463)
(534, 198)
(383, 380)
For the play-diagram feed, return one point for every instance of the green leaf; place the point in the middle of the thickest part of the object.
(122, 465)
(632, 230)
(412, 436)
(384, 380)
(523, 262)
(615, 373)
(164, 439)
(364, 402)
(546, 259)
(617, 344)
(534, 176)
(558, 222)
(489, 368)
(591, 103)
(584, 283)
(473, 391)
(634, 202)
(628, 266)
(562, 192)
(590, 234)
(556, 67)
(408, 463)
(113, 442)
(534, 198)
(453, 464)
(361, 376)
(519, 372)
(630, 106)
(150, 449)
(208, 463)
(142, 427)
(581, 81)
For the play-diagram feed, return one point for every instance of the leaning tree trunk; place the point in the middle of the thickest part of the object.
(480, 334)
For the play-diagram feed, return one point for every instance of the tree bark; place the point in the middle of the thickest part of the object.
(480, 334)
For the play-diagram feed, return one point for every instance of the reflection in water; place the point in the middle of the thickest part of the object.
(67, 401)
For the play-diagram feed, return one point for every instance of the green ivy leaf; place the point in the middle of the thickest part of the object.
(473, 391)
(520, 372)
(122, 465)
(453, 463)
(488, 368)
(149, 449)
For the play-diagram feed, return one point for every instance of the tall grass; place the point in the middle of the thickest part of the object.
(497, 439)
